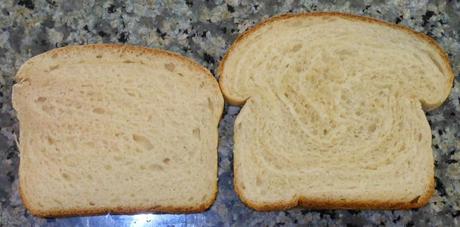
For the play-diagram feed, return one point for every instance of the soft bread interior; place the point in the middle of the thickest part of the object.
(116, 128)
(333, 112)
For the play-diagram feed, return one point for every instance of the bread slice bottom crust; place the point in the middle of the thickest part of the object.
(335, 204)
(116, 210)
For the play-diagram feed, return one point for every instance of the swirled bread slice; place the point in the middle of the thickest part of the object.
(112, 128)
(333, 112)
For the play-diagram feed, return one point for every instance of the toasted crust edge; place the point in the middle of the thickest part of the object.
(333, 204)
(125, 210)
(238, 102)
(114, 210)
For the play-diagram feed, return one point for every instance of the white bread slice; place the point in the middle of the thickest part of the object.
(114, 128)
(332, 114)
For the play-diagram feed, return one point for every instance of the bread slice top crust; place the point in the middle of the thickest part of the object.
(333, 112)
(434, 52)
(116, 128)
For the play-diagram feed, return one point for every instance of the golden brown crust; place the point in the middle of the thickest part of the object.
(242, 37)
(122, 49)
(336, 204)
(331, 204)
(114, 210)
(121, 209)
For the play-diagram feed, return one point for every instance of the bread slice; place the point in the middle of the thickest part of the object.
(333, 112)
(112, 128)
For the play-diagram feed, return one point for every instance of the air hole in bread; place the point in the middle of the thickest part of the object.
(98, 110)
(129, 92)
(258, 181)
(180, 74)
(50, 140)
(296, 47)
(332, 124)
(298, 68)
(370, 167)
(91, 204)
(210, 105)
(343, 53)
(143, 141)
(128, 61)
(99, 56)
(372, 128)
(402, 148)
(65, 176)
(107, 167)
(170, 67)
(166, 160)
(190, 199)
(54, 67)
(433, 59)
(196, 132)
(58, 201)
(40, 99)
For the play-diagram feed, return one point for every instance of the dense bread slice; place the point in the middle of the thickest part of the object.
(332, 114)
(112, 128)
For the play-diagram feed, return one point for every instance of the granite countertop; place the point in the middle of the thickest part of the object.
(203, 30)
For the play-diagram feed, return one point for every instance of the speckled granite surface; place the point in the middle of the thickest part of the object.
(203, 31)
